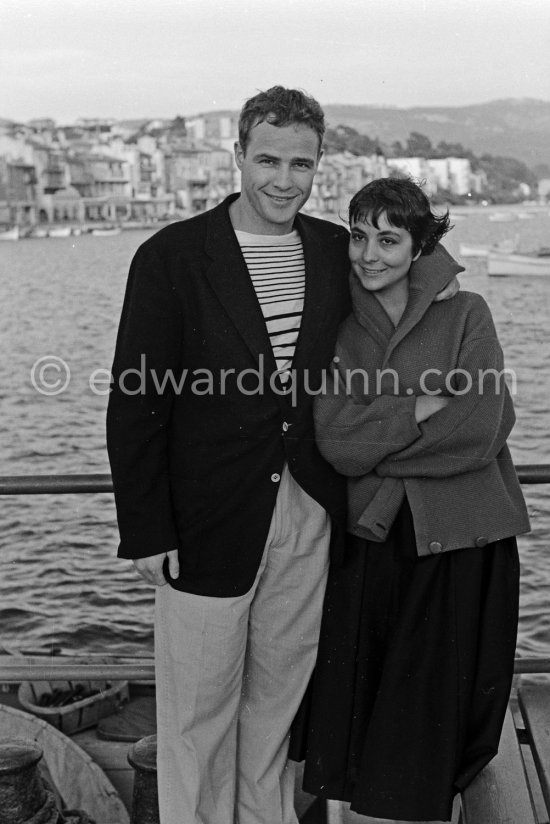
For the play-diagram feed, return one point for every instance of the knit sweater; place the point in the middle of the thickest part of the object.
(455, 467)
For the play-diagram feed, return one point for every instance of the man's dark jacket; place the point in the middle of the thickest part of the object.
(196, 464)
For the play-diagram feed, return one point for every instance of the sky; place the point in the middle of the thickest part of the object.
(123, 59)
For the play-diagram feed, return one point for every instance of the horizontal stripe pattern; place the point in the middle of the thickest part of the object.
(277, 270)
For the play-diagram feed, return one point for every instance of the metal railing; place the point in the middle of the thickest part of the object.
(85, 667)
(54, 484)
(69, 484)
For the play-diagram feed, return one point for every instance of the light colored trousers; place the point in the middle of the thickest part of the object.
(231, 673)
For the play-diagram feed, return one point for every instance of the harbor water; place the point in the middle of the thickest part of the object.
(61, 585)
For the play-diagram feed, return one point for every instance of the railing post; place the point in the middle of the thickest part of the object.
(23, 795)
(145, 803)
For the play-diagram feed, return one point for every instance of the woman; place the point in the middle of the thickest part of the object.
(417, 646)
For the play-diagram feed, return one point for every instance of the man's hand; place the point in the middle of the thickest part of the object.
(450, 290)
(150, 568)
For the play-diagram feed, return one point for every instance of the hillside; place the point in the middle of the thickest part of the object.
(512, 128)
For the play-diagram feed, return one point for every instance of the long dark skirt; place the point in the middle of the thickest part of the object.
(413, 674)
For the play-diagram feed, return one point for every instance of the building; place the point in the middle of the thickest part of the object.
(200, 175)
(339, 177)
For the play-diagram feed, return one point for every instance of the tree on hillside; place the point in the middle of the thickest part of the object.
(418, 145)
(178, 127)
(446, 149)
(541, 171)
(504, 176)
(345, 138)
(397, 149)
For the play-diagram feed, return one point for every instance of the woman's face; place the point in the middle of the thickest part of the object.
(381, 258)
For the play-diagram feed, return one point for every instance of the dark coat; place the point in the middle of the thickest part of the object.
(196, 465)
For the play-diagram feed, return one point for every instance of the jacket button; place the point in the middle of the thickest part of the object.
(435, 547)
(275, 478)
(285, 427)
(482, 541)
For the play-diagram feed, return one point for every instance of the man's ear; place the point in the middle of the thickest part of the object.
(239, 154)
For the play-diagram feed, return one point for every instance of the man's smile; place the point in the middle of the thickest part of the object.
(280, 198)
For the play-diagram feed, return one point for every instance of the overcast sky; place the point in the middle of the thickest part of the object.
(158, 58)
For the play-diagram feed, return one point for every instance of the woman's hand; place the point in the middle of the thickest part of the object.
(428, 405)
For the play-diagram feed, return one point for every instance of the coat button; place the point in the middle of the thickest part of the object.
(482, 541)
(275, 478)
(435, 547)
(285, 427)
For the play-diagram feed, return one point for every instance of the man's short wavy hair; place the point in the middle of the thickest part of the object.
(281, 107)
(406, 206)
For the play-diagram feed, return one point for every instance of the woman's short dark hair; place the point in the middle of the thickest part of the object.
(405, 205)
(281, 107)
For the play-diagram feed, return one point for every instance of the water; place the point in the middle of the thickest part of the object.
(61, 584)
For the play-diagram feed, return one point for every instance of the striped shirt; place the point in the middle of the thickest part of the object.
(277, 269)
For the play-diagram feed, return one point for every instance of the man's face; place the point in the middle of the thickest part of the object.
(277, 173)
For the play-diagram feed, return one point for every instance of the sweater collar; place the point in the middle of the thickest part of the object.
(428, 276)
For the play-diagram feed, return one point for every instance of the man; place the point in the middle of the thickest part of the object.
(228, 326)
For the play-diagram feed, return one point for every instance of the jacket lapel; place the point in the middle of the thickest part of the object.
(318, 292)
(231, 282)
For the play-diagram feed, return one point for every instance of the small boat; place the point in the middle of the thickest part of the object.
(10, 234)
(474, 250)
(77, 780)
(60, 231)
(502, 217)
(106, 231)
(502, 264)
(483, 249)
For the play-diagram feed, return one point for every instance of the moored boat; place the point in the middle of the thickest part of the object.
(10, 234)
(59, 231)
(504, 264)
(106, 231)
(473, 250)
(39, 231)
(483, 249)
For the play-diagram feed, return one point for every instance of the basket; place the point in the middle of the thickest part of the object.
(81, 713)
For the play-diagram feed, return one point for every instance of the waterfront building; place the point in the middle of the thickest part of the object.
(17, 192)
(339, 176)
(199, 174)
(215, 128)
(447, 174)
(99, 169)
(417, 168)
(454, 174)
(544, 190)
